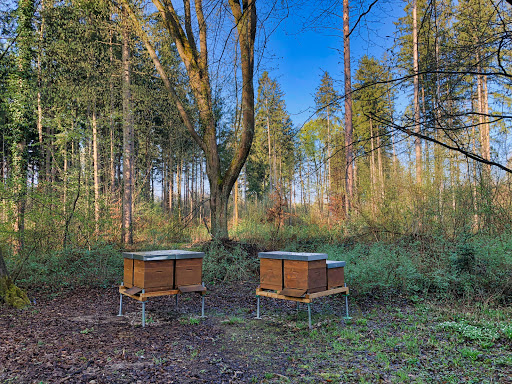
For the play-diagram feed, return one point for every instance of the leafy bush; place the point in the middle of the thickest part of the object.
(228, 262)
(100, 266)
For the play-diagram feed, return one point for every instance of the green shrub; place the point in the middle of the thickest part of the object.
(228, 262)
(73, 267)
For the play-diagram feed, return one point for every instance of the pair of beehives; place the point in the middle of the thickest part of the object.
(158, 271)
(295, 274)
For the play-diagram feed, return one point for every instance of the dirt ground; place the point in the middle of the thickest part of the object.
(77, 337)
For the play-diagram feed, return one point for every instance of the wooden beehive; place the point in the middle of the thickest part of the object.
(189, 269)
(293, 271)
(271, 274)
(335, 274)
(162, 270)
(309, 275)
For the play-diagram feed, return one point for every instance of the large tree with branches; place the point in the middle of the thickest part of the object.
(190, 35)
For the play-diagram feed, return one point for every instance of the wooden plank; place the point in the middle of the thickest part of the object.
(274, 295)
(160, 293)
(133, 290)
(123, 290)
(302, 275)
(292, 292)
(191, 288)
(328, 292)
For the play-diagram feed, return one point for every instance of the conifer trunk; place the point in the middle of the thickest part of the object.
(349, 177)
(127, 227)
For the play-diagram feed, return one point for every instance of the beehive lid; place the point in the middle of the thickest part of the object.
(189, 255)
(162, 255)
(334, 264)
(301, 256)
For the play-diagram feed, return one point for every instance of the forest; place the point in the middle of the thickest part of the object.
(131, 125)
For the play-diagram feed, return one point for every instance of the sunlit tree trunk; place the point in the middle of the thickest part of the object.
(417, 142)
(349, 177)
(127, 227)
(96, 168)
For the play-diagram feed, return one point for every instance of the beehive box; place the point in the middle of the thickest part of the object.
(271, 270)
(335, 274)
(156, 271)
(293, 270)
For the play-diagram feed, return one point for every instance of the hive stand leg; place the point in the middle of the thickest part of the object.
(176, 298)
(120, 305)
(347, 317)
(143, 312)
(309, 315)
(202, 303)
(258, 307)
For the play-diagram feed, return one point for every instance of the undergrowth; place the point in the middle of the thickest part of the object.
(469, 267)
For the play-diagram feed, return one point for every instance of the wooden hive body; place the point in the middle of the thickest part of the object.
(293, 270)
(162, 270)
(335, 274)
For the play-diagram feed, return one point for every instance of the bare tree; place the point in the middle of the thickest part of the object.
(195, 56)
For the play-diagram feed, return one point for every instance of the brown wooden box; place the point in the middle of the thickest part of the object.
(128, 273)
(271, 274)
(189, 272)
(335, 274)
(307, 275)
(153, 276)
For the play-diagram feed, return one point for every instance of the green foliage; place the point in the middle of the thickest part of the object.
(228, 262)
(101, 266)
(484, 333)
(12, 295)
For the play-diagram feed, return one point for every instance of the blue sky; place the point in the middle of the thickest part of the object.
(297, 59)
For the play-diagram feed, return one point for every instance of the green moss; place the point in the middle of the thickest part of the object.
(12, 295)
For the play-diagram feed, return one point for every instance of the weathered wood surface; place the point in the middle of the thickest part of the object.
(308, 275)
(191, 288)
(153, 275)
(292, 292)
(308, 298)
(144, 296)
(335, 277)
(271, 274)
(189, 272)
(128, 273)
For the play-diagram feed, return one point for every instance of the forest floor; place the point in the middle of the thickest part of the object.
(76, 337)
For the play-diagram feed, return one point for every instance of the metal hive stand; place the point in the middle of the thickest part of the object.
(142, 296)
(306, 298)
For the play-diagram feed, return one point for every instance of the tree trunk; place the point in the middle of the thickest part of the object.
(417, 142)
(127, 227)
(3, 267)
(195, 60)
(96, 169)
(349, 177)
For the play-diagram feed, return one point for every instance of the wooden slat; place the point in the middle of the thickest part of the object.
(133, 290)
(292, 292)
(160, 293)
(191, 288)
(328, 292)
(274, 295)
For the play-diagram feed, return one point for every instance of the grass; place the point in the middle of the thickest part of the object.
(409, 344)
